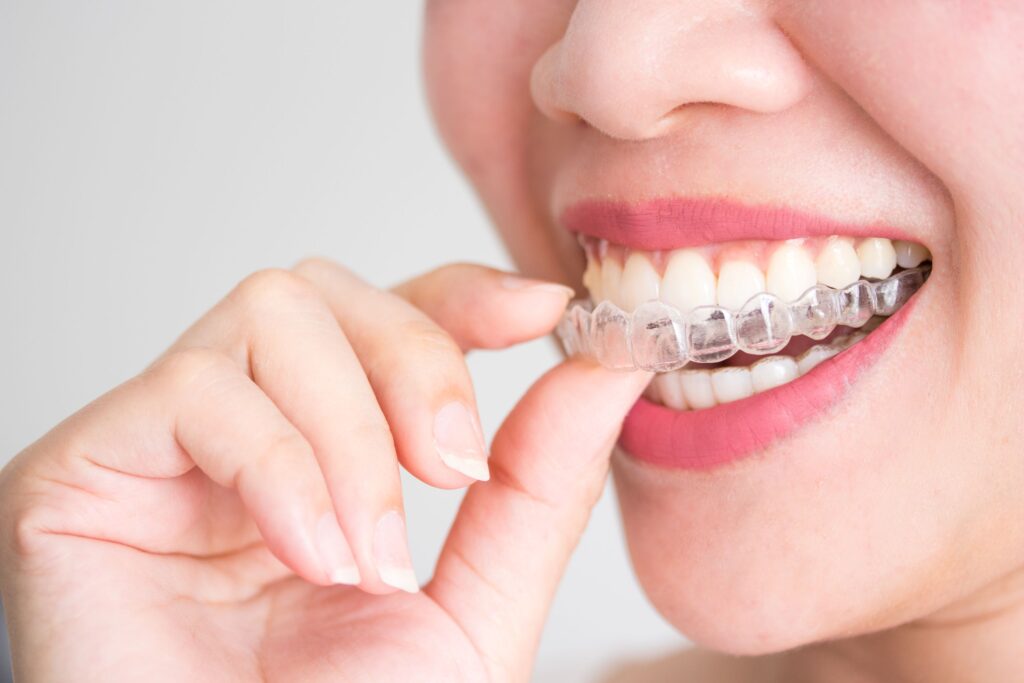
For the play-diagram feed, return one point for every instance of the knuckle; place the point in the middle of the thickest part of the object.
(288, 447)
(458, 271)
(277, 460)
(425, 338)
(418, 354)
(431, 286)
(311, 266)
(28, 514)
(184, 367)
(273, 288)
(27, 531)
(436, 283)
(372, 431)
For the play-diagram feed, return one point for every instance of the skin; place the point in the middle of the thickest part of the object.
(886, 538)
(169, 531)
(166, 531)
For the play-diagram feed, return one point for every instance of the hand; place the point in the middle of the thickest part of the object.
(194, 523)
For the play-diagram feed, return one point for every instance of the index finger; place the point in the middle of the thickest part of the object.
(414, 360)
(486, 308)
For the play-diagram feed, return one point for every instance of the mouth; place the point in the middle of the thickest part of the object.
(756, 320)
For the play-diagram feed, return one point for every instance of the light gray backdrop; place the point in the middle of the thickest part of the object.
(154, 153)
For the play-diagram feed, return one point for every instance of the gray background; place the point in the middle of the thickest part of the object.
(154, 153)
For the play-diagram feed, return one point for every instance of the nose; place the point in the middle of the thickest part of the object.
(629, 69)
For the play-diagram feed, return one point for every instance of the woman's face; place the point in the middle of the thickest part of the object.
(886, 487)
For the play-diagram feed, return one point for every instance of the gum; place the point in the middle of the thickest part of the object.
(660, 338)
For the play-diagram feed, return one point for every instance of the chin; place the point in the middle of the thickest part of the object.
(735, 572)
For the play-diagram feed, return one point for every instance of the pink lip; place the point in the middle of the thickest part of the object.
(673, 223)
(704, 439)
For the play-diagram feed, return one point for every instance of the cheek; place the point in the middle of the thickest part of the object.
(936, 74)
(942, 78)
(478, 56)
(467, 68)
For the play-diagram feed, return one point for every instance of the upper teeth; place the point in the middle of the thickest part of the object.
(660, 312)
(686, 278)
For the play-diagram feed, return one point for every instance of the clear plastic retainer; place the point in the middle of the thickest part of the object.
(659, 338)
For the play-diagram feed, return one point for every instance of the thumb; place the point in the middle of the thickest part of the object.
(513, 535)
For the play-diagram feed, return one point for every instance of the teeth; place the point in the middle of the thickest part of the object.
(631, 278)
(592, 279)
(651, 393)
(837, 265)
(670, 390)
(791, 272)
(812, 357)
(772, 372)
(692, 389)
(611, 281)
(731, 384)
(877, 257)
(688, 281)
(640, 282)
(697, 388)
(641, 319)
(910, 254)
(737, 282)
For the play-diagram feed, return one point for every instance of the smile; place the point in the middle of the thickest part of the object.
(750, 337)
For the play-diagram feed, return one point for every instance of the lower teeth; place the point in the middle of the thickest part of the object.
(698, 389)
(659, 338)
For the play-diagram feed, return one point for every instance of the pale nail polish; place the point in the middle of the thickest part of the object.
(514, 282)
(459, 442)
(335, 551)
(391, 553)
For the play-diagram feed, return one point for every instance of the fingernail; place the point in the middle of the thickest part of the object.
(514, 282)
(335, 551)
(459, 442)
(391, 553)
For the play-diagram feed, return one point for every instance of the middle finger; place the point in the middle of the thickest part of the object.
(277, 326)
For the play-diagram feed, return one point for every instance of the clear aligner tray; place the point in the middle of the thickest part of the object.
(659, 338)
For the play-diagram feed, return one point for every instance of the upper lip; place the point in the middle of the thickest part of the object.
(677, 222)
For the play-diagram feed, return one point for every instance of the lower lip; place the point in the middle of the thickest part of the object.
(709, 438)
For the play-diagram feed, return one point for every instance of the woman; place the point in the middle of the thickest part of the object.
(859, 520)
